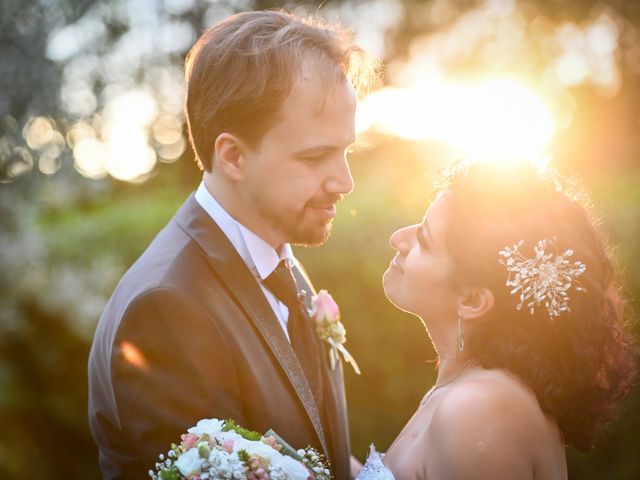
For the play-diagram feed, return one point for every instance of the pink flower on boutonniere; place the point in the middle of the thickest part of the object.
(325, 308)
(326, 316)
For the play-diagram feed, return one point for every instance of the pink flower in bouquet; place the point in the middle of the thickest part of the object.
(228, 445)
(272, 442)
(325, 309)
(189, 440)
(258, 468)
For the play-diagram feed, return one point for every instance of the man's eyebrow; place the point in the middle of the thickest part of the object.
(316, 149)
(321, 149)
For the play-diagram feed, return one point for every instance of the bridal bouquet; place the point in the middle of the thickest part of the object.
(219, 449)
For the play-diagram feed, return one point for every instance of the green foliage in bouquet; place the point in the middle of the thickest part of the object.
(168, 470)
(244, 456)
(230, 425)
(172, 474)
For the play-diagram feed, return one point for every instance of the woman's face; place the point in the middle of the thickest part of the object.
(417, 279)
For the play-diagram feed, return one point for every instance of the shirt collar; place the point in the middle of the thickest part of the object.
(265, 257)
(259, 256)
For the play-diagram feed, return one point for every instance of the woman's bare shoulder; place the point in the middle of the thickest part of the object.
(494, 396)
(490, 424)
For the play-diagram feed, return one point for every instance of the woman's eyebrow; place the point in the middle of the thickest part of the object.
(427, 231)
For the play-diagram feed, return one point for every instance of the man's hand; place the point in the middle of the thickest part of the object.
(356, 466)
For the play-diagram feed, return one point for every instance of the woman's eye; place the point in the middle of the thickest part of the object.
(421, 240)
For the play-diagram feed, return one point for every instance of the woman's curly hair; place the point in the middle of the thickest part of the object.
(580, 364)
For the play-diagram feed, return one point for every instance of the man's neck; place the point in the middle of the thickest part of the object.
(232, 203)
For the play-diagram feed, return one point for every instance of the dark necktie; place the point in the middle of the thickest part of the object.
(282, 284)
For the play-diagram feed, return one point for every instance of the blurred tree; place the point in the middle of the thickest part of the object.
(29, 80)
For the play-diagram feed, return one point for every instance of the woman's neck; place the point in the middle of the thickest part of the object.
(450, 359)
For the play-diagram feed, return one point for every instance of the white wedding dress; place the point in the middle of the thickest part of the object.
(374, 469)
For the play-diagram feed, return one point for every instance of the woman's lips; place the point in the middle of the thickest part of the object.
(395, 264)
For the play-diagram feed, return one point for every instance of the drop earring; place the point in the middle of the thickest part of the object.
(460, 337)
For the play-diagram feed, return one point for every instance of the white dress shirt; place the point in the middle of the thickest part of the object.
(260, 257)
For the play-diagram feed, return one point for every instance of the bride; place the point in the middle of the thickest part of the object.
(518, 292)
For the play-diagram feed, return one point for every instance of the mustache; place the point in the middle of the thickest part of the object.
(322, 201)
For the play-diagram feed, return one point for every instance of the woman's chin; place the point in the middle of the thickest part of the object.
(387, 286)
(391, 293)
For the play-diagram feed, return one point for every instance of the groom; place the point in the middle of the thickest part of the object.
(199, 327)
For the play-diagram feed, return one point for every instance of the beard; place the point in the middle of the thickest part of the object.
(303, 227)
(308, 234)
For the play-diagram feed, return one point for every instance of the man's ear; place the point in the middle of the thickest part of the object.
(475, 302)
(229, 159)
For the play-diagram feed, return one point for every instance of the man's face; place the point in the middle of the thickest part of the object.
(298, 172)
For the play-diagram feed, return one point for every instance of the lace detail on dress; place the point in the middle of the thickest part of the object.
(374, 469)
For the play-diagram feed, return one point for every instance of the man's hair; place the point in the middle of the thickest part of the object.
(241, 70)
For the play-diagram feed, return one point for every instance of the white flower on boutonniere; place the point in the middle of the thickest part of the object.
(326, 316)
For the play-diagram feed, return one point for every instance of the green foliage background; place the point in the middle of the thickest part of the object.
(66, 240)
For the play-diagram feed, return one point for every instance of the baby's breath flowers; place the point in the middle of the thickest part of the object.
(544, 279)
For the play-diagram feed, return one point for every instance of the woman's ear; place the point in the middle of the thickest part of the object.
(228, 156)
(475, 302)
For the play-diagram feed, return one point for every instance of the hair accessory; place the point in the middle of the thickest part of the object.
(460, 337)
(544, 279)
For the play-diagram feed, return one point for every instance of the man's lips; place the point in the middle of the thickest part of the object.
(331, 207)
(328, 211)
(326, 207)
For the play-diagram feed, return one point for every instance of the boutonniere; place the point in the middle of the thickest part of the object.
(326, 317)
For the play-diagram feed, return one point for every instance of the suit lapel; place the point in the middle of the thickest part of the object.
(334, 398)
(234, 273)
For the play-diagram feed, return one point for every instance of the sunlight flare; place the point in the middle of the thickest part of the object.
(494, 117)
(123, 150)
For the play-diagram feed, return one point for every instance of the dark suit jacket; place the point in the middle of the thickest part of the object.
(187, 335)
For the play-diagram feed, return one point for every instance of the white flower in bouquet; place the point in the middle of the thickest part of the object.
(292, 468)
(189, 462)
(209, 426)
(225, 466)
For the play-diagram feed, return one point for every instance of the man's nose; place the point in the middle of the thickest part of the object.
(340, 180)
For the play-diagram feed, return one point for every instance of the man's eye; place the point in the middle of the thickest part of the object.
(314, 158)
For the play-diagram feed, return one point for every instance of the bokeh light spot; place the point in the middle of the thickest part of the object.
(167, 130)
(133, 356)
(38, 132)
(90, 157)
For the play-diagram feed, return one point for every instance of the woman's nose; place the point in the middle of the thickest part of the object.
(400, 239)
